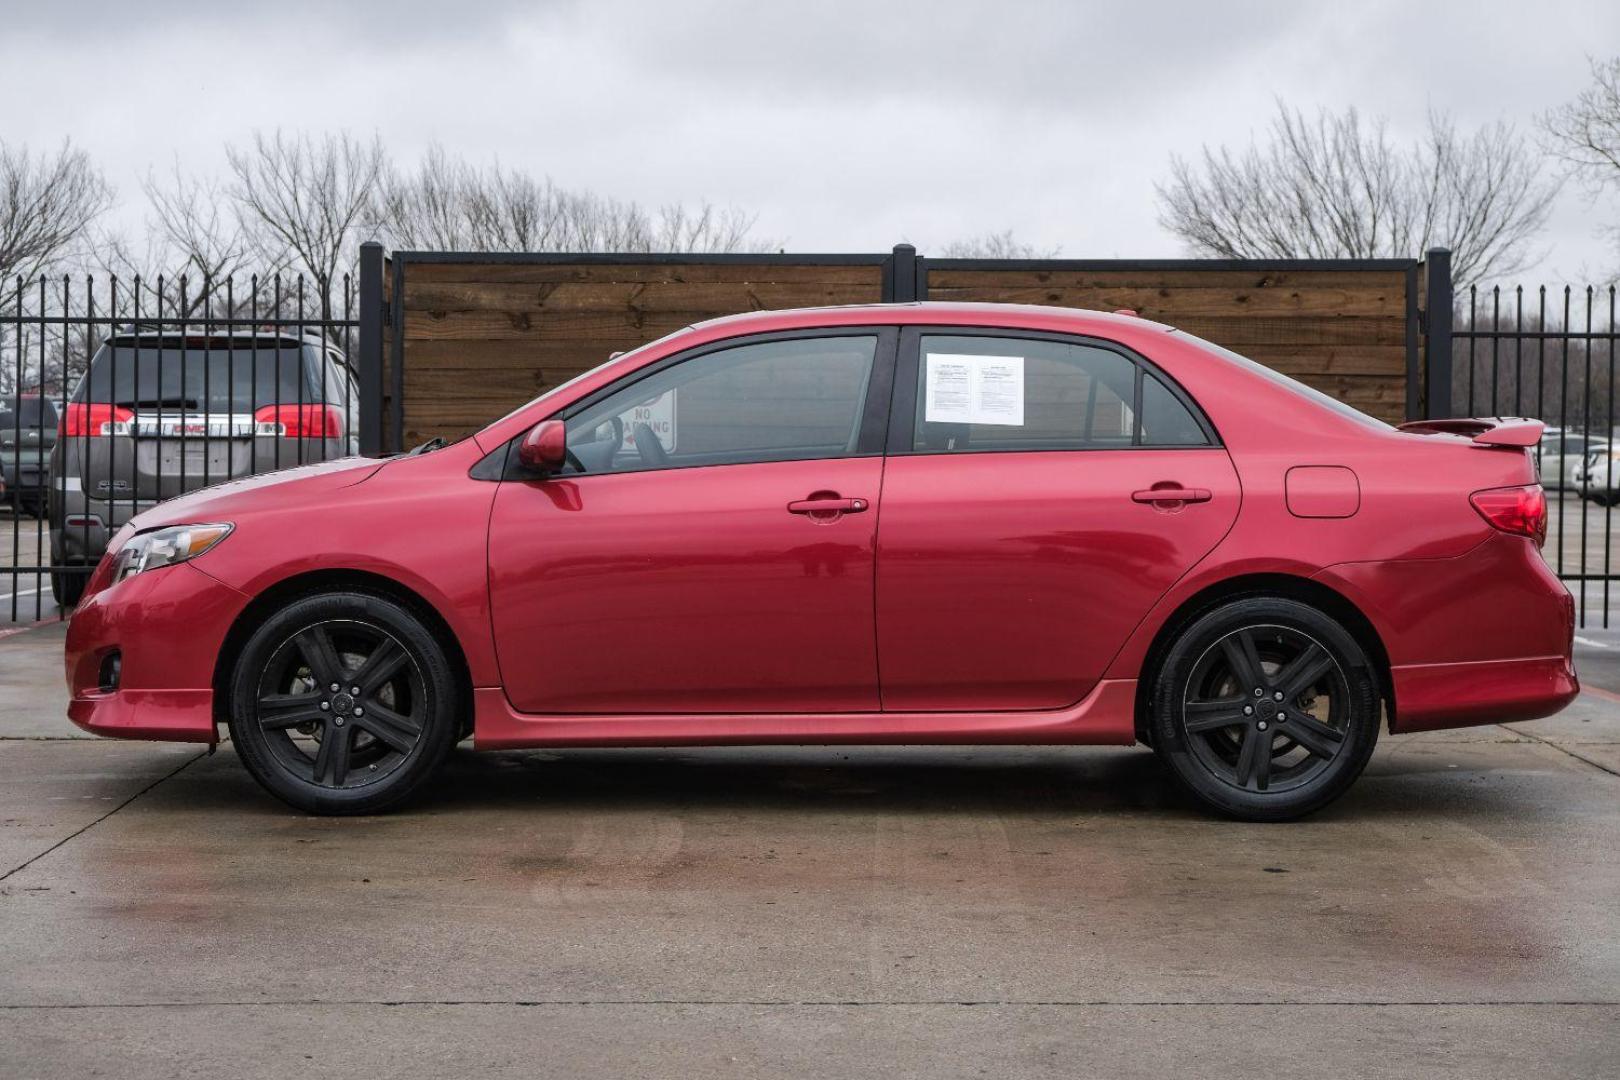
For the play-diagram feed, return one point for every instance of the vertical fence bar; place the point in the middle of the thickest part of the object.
(1586, 435)
(1563, 446)
(347, 374)
(1608, 471)
(16, 392)
(1496, 341)
(1413, 339)
(1473, 339)
(1437, 374)
(55, 513)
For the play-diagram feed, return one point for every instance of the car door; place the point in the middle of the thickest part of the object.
(1041, 493)
(710, 546)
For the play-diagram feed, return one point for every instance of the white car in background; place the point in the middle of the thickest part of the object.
(1598, 477)
(1563, 456)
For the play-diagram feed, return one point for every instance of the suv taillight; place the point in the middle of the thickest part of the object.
(297, 421)
(95, 419)
(1518, 510)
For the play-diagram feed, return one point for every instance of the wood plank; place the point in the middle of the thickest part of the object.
(1168, 279)
(543, 273)
(1237, 333)
(1166, 304)
(1386, 360)
(727, 297)
(525, 326)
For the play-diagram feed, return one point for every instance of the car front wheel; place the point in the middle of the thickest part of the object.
(343, 703)
(1265, 709)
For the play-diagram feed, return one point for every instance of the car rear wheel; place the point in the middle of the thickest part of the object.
(343, 703)
(1265, 709)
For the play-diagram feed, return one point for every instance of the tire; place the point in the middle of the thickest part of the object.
(1271, 746)
(340, 752)
(67, 588)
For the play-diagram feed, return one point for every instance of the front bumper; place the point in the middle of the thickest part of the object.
(167, 626)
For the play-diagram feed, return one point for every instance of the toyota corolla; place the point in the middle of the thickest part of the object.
(928, 523)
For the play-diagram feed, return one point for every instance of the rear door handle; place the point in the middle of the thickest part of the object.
(827, 506)
(1172, 495)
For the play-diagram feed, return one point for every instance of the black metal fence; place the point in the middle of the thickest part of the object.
(116, 394)
(194, 381)
(1548, 354)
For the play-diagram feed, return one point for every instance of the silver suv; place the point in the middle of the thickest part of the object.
(162, 412)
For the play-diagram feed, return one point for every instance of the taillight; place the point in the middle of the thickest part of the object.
(95, 419)
(1518, 510)
(297, 421)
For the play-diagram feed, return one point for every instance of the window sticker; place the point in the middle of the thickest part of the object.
(975, 390)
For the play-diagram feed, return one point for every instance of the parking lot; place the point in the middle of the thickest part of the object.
(826, 912)
(24, 597)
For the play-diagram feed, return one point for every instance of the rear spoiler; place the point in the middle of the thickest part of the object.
(1510, 431)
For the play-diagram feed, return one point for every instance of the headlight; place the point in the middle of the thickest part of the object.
(165, 547)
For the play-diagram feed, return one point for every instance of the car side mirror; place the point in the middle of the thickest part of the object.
(545, 447)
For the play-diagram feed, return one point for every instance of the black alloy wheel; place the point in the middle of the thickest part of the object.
(1265, 709)
(343, 703)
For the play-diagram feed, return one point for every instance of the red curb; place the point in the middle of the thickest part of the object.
(12, 630)
(1598, 691)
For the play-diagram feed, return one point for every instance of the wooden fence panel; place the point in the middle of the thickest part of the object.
(481, 337)
(1342, 331)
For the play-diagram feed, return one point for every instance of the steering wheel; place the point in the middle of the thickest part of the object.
(648, 446)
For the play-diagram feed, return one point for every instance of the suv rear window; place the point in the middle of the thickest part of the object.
(224, 376)
(27, 412)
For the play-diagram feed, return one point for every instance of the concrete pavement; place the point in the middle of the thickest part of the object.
(814, 912)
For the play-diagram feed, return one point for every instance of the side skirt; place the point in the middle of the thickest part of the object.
(1105, 717)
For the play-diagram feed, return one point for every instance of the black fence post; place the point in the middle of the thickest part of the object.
(900, 275)
(1437, 334)
(371, 347)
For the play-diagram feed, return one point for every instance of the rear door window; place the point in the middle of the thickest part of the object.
(982, 393)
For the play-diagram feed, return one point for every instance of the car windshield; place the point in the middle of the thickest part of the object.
(211, 377)
(1350, 412)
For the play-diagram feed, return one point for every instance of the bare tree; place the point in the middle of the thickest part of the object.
(194, 249)
(1585, 132)
(449, 204)
(306, 200)
(1333, 188)
(46, 204)
(1001, 245)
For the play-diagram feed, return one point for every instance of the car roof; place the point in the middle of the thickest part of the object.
(1011, 316)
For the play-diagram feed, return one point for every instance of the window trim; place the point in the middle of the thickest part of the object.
(903, 398)
(874, 414)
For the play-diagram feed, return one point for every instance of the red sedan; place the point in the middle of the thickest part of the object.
(928, 523)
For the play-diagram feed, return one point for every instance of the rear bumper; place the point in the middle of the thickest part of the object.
(1482, 638)
(167, 627)
(1432, 696)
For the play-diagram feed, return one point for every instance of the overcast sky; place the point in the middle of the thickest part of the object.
(845, 127)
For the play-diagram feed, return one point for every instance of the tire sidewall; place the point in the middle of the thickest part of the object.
(440, 724)
(1169, 689)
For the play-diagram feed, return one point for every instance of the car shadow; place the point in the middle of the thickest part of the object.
(1038, 782)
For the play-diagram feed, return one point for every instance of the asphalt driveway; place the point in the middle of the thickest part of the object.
(814, 912)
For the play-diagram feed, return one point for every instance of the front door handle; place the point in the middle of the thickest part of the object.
(1171, 495)
(827, 506)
